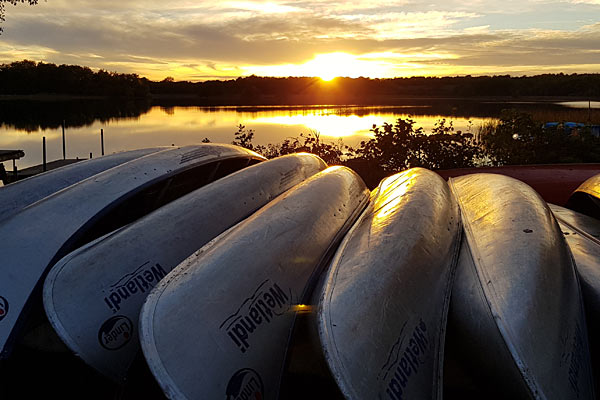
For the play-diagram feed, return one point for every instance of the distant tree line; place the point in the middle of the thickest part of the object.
(29, 77)
(254, 90)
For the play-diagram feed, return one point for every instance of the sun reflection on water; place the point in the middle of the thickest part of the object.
(165, 126)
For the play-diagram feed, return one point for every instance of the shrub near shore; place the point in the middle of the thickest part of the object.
(515, 139)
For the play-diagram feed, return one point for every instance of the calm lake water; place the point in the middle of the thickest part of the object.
(131, 125)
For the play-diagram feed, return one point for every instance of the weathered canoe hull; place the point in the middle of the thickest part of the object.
(380, 338)
(20, 194)
(218, 325)
(109, 279)
(583, 236)
(516, 303)
(38, 236)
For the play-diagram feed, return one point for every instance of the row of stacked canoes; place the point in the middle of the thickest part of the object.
(234, 277)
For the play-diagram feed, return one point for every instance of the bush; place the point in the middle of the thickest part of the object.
(518, 139)
(401, 146)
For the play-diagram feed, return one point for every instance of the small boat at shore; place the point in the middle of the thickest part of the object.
(20, 194)
(382, 312)
(218, 325)
(554, 182)
(516, 312)
(93, 292)
(35, 238)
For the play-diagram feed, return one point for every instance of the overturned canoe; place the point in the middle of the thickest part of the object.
(516, 311)
(22, 193)
(218, 325)
(554, 182)
(92, 291)
(586, 198)
(40, 235)
(380, 338)
(583, 236)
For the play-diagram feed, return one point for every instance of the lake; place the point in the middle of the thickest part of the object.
(132, 125)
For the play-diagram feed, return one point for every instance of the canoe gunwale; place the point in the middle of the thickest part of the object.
(579, 230)
(344, 179)
(60, 178)
(205, 206)
(32, 294)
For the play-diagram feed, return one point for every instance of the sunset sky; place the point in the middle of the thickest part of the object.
(200, 40)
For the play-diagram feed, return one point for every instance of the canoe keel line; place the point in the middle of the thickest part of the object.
(402, 251)
(516, 303)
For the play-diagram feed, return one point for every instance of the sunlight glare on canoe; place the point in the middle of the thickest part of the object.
(397, 190)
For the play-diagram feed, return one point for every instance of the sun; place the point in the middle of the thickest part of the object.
(328, 66)
(331, 65)
(327, 77)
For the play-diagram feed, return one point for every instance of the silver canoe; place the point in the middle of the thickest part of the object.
(382, 314)
(22, 193)
(90, 293)
(586, 198)
(583, 236)
(516, 303)
(38, 236)
(218, 325)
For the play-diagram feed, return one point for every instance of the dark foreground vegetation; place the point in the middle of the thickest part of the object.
(516, 139)
(33, 78)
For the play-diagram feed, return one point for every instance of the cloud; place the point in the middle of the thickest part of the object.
(200, 39)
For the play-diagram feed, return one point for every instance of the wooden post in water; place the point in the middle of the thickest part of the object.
(44, 153)
(63, 137)
(102, 140)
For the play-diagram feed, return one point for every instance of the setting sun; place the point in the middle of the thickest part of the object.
(328, 66)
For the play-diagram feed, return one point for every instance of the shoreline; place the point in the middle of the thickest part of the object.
(300, 102)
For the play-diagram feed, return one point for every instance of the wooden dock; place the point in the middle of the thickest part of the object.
(6, 155)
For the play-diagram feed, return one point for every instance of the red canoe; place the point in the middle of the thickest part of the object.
(554, 182)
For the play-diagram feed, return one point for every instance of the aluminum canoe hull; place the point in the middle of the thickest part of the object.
(380, 338)
(516, 303)
(218, 325)
(20, 194)
(91, 290)
(37, 237)
(583, 236)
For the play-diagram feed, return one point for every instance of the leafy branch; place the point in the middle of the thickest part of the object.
(14, 3)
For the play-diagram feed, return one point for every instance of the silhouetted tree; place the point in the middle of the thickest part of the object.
(400, 146)
(29, 77)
